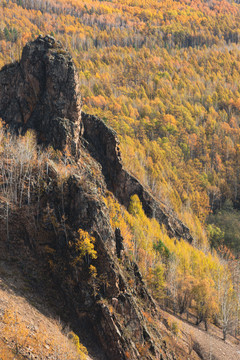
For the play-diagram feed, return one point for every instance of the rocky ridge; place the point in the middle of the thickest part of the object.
(103, 145)
(41, 93)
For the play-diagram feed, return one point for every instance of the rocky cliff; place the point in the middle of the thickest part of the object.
(103, 144)
(41, 92)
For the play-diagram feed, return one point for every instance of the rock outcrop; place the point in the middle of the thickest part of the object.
(41, 92)
(103, 144)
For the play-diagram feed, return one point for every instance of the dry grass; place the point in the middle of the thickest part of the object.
(200, 344)
(25, 332)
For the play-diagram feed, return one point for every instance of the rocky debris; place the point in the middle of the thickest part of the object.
(103, 144)
(41, 92)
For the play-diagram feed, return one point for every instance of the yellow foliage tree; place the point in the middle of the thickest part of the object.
(204, 295)
(84, 245)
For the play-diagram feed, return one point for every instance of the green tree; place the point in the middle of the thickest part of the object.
(215, 235)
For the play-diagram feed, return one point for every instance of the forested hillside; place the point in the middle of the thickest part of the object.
(166, 76)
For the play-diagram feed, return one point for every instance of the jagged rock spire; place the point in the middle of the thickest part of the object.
(42, 92)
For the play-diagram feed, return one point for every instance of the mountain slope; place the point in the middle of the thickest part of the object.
(63, 225)
(29, 326)
(165, 76)
(54, 217)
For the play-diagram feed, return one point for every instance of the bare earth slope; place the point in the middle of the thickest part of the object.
(43, 325)
(207, 345)
(29, 326)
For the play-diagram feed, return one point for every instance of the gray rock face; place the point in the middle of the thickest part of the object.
(103, 145)
(42, 92)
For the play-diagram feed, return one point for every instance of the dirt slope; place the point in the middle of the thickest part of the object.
(208, 345)
(28, 329)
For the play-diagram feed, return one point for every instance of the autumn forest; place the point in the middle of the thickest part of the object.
(165, 75)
